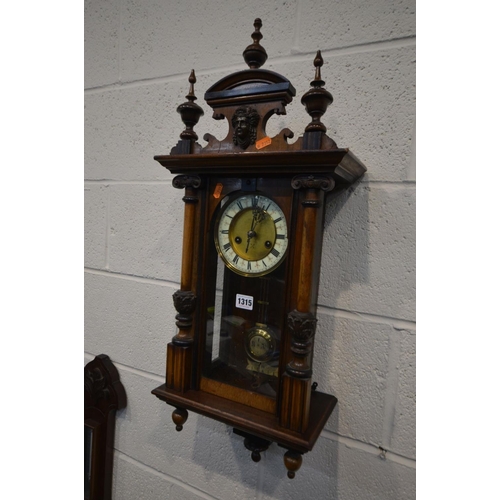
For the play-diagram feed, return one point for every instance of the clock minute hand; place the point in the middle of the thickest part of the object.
(251, 233)
(257, 217)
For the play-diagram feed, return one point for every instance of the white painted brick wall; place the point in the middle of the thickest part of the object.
(138, 54)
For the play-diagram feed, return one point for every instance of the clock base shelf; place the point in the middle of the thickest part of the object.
(253, 421)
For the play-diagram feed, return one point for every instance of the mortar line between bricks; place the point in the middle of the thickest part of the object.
(294, 56)
(298, 17)
(121, 6)
(135, 371)
(397, 323)
(131, 277)
(391, 389)
(370, 448)
(108, 229)
(162, 475)
(111, 182)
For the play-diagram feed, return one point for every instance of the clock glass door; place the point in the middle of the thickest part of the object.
(246, 299)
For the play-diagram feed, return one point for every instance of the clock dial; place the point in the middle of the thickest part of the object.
(251, 235)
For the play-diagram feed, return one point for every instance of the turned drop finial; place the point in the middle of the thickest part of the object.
(179, 417)
(190, 111)
(293, 461)
(255, 55)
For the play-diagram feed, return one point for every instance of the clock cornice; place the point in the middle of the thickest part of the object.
(341, 163)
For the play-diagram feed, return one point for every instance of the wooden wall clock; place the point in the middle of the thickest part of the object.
(253, 223)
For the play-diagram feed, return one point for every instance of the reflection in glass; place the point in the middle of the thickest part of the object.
(243, 329)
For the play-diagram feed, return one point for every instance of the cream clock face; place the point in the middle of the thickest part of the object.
(251, 235)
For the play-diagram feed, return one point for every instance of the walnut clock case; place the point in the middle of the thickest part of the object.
(253, 223)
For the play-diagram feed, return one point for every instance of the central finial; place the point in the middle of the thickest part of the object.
(318, 62)
(255, 55)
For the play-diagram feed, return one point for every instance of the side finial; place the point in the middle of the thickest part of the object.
(190, 111)
(192, 80)
(317, 99)
(255, 55)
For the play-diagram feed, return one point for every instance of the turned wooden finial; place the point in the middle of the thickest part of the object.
(317, 99)
(179, 417)
(293, 461)
(255, 55)
(257, 35)
(190, 111)
(192, 80)
(318, 62)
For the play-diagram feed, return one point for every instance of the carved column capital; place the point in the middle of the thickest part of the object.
(186, 181)
(323, 182)
(189, 183)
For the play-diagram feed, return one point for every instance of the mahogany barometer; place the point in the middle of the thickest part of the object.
(253, 224)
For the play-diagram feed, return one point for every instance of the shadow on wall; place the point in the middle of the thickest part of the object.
(345, 246)
(345, 251)
(344, 261)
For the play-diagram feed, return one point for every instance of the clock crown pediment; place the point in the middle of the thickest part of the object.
(242, 95)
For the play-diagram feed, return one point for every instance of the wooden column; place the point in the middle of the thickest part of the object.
(180, 350)
(301, 323)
